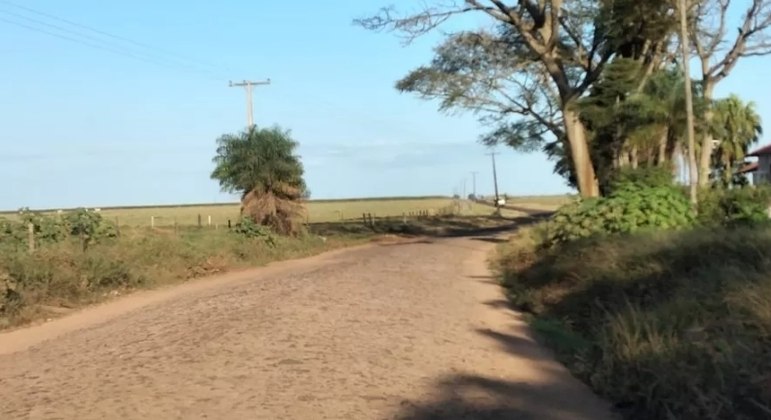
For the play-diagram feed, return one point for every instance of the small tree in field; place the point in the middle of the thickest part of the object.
(262, 166)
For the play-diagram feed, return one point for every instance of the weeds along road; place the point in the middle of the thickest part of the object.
(389, 331)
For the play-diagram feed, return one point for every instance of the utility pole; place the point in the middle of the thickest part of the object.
(474, 183)
(249, 85)
(495, 181)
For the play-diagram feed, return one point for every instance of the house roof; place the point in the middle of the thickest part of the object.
(765, 150)
(751, 167)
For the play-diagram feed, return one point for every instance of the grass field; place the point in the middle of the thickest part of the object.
(322, 211)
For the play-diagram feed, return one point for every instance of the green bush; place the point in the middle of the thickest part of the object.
(630, 208)
(48, 229)
(87, 226)
(12, 233)
(735, 207)
(667, 325)
(646, 177)
(248, 228)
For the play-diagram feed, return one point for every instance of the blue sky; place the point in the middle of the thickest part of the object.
(86, 127)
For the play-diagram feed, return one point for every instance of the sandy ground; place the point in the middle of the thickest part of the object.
(391, 331)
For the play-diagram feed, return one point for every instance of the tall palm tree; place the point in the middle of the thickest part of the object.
(737, 125)
(261, 165)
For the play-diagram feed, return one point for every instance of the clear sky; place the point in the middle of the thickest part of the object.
(87, 127)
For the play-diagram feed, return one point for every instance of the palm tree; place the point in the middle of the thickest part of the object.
(261, 165)
(738, 126)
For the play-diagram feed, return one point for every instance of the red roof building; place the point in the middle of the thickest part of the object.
(760, 170)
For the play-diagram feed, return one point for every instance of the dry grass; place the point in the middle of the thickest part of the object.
(666, 325)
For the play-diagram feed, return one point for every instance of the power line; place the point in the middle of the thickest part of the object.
(113, 36)
(67, 31)
(97, 46)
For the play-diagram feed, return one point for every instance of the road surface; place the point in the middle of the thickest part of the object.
(390, 331)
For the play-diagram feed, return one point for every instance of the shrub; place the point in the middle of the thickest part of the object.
(86, 225)
(89, 226)
(48, 229)
(630, 208)
(646, 177)
(735, 207)
(248, 228)
(12, 233)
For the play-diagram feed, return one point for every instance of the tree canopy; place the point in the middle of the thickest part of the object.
(596, 84)
(261, 166)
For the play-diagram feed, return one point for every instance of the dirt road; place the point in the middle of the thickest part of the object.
(409, 331)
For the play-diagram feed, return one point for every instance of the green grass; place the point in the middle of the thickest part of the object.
(670, 325)
(322, 211)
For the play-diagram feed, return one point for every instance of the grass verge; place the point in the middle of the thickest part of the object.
(60, 277)
(671, 325)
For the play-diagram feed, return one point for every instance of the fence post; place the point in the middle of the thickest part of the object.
(31, 237)
(364, 218)
(229, 225)
(404, 218)
(117, 226)
(210, 220)
(152, 221)
(200, 224)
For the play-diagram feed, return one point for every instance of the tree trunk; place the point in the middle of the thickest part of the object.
(634, 157)
(705, 159)
(684, 45)
(579, 153)
(661, 157)
(624, 159)
(677, 155)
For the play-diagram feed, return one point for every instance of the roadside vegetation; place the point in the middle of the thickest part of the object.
(80, 259)
(664, 312)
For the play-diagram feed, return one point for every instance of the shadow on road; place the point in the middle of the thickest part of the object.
(482, 228)
(546, 395)
(471, 397)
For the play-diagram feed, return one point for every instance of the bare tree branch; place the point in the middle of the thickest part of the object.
(751, 39)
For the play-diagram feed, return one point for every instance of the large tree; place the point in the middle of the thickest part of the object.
(632, 126)
(719, 52)
(541, 58)
(261, 166)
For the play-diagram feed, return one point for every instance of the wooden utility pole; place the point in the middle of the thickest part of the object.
(249, 85)
(685, 47)
(474, 184)
(31, 237)
(495, 183)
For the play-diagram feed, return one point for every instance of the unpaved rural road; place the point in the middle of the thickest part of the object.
(407, 331)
